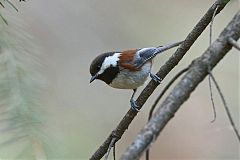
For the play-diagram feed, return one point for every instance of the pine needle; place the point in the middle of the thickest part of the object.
(4, 20)
(11, 4)
(21, 87)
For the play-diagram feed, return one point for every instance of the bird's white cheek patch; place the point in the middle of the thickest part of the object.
(109, 61)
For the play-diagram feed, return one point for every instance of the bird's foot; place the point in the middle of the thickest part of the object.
(155, 78)
(134, 106)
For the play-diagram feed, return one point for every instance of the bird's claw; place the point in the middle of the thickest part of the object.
(155, 78)
(134, 106)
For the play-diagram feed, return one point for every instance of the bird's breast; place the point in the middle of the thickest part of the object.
(131, 80)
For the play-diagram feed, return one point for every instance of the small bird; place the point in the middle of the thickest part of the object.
(127, 69)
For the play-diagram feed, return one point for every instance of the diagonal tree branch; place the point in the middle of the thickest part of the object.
(162, 73)
(198, 70)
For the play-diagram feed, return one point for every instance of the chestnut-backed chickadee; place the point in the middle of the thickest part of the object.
(127, 69)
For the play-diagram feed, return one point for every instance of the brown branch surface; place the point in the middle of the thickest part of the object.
(198, 70)
(162, 73)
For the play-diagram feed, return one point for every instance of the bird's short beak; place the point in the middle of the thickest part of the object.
(93, 78)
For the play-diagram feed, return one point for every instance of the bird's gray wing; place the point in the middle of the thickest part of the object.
(144, 55)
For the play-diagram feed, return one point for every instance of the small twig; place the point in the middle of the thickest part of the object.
(164, 90)
(233, 43)
(109, 148)
(213, 104)
(211, 24)
(225, 106)
(160, 96)
(209, 79)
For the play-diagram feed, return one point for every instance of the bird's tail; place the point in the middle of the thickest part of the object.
(167, 47)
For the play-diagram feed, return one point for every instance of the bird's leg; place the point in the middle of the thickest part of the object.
(133, 103)
(155, 78)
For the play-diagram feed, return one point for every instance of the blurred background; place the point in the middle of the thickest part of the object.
(79, 116)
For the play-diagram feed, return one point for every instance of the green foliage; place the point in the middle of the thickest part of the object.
(21, 85)
(7, 2)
